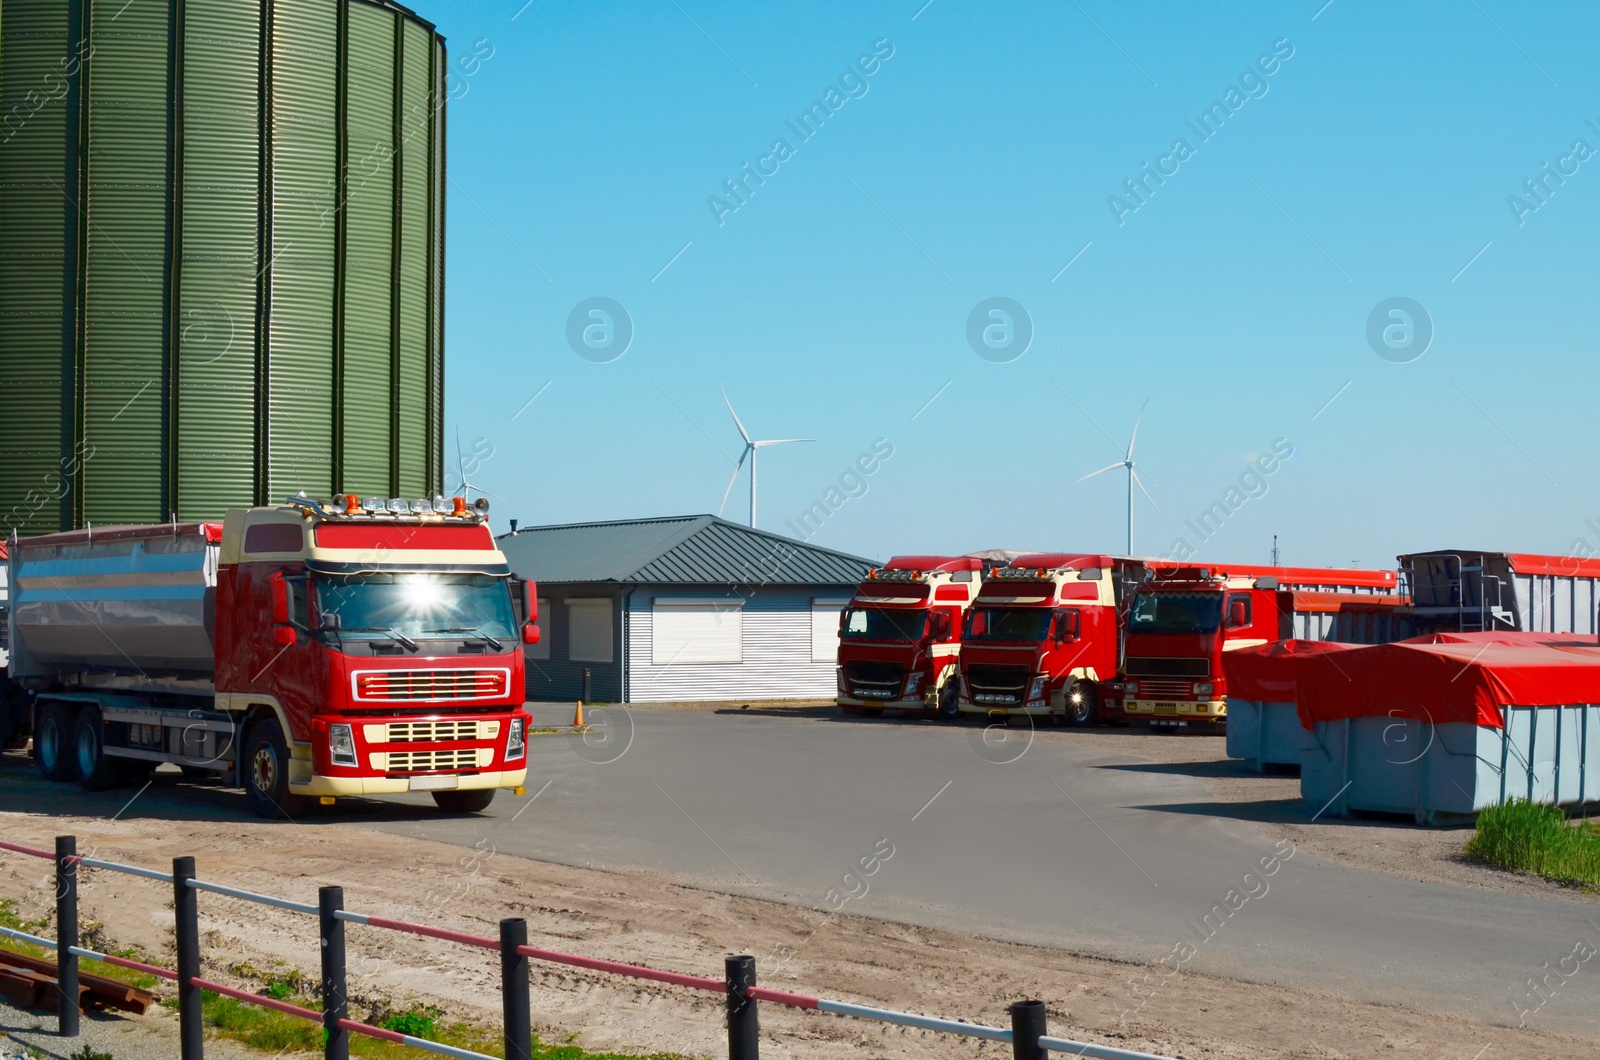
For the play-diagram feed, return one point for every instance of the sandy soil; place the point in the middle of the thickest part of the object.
(645, 918)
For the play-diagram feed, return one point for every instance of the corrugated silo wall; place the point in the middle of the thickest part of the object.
(221, 277)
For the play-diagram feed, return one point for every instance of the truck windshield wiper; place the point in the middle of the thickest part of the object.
(394, 634)
(493, 644)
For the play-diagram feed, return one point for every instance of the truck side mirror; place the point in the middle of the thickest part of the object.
(284, 636)
(941, 626)
(530, 633)
(328, 621)
(1067, 627)
(280, 600)
(1238, 614)
(530, 603)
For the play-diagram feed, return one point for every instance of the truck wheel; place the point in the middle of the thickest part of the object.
(53, 742)
(96, 772)
(1081, 715)
(464, 801)
(266, 772)
(950, 700)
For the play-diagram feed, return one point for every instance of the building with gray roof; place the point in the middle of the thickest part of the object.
(682, 608)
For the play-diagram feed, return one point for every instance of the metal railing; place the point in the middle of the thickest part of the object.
(1027, 1034)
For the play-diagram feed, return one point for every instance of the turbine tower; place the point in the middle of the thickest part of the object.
(467, 488)
(1133, 475)
(750, 447)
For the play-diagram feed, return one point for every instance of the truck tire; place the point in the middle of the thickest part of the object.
(464, 801)
(53, 742)
(96, 772)
(265, 773)
(1081, 715)
(950, 700)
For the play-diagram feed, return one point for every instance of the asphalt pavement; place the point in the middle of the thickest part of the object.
(1032, 837)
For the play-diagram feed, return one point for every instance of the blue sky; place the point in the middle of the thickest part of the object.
(976, 161)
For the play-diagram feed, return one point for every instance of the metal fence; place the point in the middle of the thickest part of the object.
(1027, 1034)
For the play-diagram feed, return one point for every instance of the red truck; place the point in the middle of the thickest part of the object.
(303, 652)
(900, 638)
(1044, 637)
(1184, 619)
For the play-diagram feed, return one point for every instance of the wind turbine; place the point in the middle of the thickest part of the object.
(750, 447)
(1133, 475)
(461, 469)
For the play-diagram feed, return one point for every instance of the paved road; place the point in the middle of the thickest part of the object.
(1065, 845)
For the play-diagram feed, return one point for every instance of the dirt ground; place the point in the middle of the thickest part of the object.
(648, 919)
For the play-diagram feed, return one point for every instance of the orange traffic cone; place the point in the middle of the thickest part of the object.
(577, 716)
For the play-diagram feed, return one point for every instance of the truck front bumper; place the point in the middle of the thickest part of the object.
(1180, 709)
(1037, 709)
(337, 786)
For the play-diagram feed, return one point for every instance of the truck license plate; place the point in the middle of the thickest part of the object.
(1166, 708)
(433, 783)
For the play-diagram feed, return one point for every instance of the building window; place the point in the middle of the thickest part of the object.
(691, 630)
(589, 630)
(825, 629)
(545, 622)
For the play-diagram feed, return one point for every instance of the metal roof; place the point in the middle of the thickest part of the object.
(683, 550)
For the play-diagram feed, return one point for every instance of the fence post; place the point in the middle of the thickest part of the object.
(186, 914)
(335, 997)
(744, 1027)
(1027, 1027)
(514, 989)
(67, 934)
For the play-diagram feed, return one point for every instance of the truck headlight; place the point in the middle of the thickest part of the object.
(515, 747)
(341, 745)
(1130, 690)
(1202, 689)
(1036, 690)
(913, 685)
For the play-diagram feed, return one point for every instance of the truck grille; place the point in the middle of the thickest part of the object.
(431, 731)
(430, 761)
(1143, 666)
(997, 684)
(429, 684)
(1151, 688)
(873, 680)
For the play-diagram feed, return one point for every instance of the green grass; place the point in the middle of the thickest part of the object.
(10, 919)
(272, 1031)
(1527, 837)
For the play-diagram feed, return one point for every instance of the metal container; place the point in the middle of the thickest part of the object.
(222, 272)
(1448, 772)
(1265, 735)
(1463, 590)
(132, 606)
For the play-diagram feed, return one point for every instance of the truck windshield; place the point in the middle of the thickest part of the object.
(417, 605)
(872, 623)
(1176, 613)
(1030, 624)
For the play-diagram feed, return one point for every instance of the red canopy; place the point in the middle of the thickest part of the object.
(1443, 677)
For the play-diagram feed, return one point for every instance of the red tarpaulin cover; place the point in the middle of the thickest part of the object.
(1443, 677)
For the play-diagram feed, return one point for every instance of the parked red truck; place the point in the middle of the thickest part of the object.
(1044, 638)
(1185, 618)
(900, 638)
(303, 652)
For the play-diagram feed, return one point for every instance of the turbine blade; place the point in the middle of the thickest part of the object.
(1102, 471)
(1136, 482)
(1134, 436)
(781, 441)
(742, 432)
(735, 478)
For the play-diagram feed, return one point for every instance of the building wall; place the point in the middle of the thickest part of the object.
(777, 641)
(560, 677)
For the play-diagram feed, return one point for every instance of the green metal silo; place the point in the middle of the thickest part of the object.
(221, 256)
